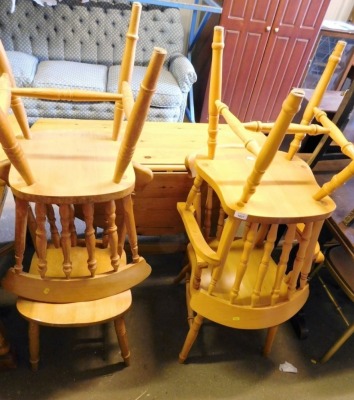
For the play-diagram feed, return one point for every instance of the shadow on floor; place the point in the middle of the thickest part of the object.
(223, 364)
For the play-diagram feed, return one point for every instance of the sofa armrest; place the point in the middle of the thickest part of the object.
(183, 71)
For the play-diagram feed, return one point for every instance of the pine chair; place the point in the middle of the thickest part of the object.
(143, 175)
(275, 291)
(236, 281)
(73, 281)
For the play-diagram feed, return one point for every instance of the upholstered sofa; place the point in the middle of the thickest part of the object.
(79, 45)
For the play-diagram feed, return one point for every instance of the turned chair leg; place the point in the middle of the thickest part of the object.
(338, 344)
(191, 337)
(122, 337)
(33, 335)
(270, 339)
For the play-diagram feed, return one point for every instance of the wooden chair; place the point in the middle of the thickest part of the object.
(339, 262)
(236, 281)
(75, 281)
(125, 75)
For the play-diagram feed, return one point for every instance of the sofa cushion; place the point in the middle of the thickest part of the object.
(23, 67)
(167, 95)
(70, 74)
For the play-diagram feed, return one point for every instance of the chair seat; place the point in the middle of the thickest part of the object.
(79, 262)
(284, 191)
(82, 170)
(55, 288)
(75, 314)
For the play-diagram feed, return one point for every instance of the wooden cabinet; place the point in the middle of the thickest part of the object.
(268, 44)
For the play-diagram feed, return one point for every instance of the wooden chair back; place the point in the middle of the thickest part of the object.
(70, 169)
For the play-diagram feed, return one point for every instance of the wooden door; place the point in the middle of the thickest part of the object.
(268, 44)
(293, 35)
(246, 37)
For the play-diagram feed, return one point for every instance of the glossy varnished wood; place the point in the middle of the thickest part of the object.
(76, 282)
(280, 181)
(88, 156)
(233, 278)
(162, 147)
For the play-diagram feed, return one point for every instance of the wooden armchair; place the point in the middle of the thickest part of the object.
(246, 282)
(73, 280)
(253, 215)
(240, 270)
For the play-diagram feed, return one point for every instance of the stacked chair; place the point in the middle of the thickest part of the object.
(76, 280)
(248, 264)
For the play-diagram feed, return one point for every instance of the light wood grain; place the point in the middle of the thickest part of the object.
(232, 278)
(74, 281)
(76, 314)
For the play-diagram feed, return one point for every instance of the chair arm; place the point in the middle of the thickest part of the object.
(195, 236)
(183, 71)
(143, 176)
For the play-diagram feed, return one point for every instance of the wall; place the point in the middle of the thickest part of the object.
(339, 10)
(186, 16)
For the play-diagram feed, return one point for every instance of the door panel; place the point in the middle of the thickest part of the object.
(284, 72)
(293, 35)
(246, 38)
(267, 47)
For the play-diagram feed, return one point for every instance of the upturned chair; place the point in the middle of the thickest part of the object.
(75, 281)
(125, 75)
(235, 281)
(241, 275)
